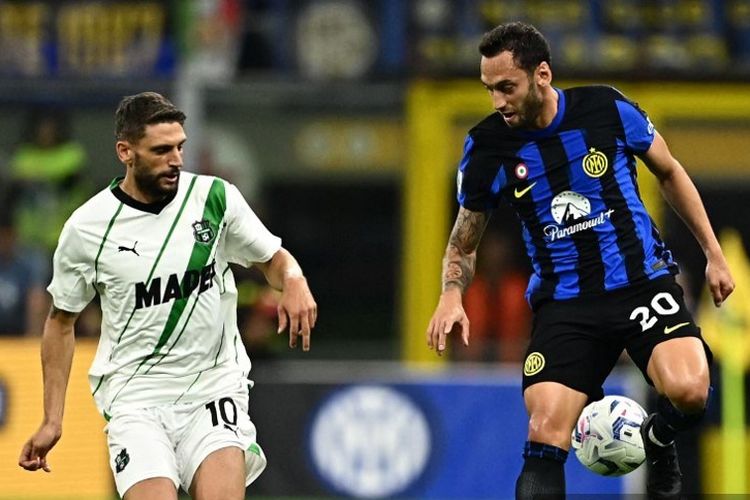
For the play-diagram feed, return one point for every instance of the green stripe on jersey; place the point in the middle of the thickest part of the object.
(184, 327)
(213, 212)
(158, 257)
(148, 280)
(101, 379)
(104, 239)
(96, 266)
(188, 389)
(218, 351)
(171, 230)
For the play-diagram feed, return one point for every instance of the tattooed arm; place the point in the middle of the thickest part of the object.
(458, 271)
(460, 258)
(58, 344)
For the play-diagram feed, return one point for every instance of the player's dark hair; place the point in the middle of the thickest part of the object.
(147, 108)
(524, 41)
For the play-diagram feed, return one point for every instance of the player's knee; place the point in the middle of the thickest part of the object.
(547, 428)
(688, 395)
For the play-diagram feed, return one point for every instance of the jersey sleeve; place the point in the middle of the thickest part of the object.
(639, 131)
(480, 175)
(72, 286)
(247, 239)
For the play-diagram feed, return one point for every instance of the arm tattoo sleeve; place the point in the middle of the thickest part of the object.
(461, 255)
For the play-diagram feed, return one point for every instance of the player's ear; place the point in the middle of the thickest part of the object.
(543, 74)
(124, 151)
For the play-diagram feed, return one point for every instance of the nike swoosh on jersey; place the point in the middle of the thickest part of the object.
(522, 192)
(670, 329)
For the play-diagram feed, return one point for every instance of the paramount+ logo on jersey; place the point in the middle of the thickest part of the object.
(173, 287)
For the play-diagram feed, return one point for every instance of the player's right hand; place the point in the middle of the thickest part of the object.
(34, 453)
(449, 317)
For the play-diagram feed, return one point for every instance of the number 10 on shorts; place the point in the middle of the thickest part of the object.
(225, 408)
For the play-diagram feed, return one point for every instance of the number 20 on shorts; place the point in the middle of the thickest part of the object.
(662, 304)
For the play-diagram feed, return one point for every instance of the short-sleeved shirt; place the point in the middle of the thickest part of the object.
(168, 297)
(573, 186)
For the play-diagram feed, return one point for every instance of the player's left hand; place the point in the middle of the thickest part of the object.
(297, 310)
(719, 279)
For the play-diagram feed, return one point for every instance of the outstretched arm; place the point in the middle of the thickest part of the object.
(459, 265)
(296, 308)
(58, 344)
(681, 194)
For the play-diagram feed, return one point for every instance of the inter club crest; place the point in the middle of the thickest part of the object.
(203, 231)
(595, 163)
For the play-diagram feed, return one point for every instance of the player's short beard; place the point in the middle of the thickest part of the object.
(532, 107)
(148, 181)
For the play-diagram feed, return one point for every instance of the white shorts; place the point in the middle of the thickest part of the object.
(172, 441)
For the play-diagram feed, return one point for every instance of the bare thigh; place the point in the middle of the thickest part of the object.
(679, 370)
(221, 476)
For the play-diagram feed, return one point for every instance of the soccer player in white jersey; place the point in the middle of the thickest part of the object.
(170, 373)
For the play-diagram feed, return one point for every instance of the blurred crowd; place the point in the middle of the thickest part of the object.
(43, 183)
(355, 39)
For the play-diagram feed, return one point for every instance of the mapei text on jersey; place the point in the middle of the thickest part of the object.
(192, 279)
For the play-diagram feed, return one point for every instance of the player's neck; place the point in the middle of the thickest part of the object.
(549, 107)
(130, 188)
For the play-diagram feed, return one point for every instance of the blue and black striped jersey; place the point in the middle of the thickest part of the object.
(573, 186)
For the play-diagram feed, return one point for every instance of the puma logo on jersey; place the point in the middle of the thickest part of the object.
(175, 288)
(126, 249)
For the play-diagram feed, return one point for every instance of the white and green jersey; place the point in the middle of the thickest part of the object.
(168, 298)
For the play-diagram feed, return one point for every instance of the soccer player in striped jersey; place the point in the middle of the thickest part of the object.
(170, 372)
(603, 280)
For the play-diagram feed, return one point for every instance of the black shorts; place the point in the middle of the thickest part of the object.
(577, 342)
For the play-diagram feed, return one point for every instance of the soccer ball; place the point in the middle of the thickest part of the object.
(607, 438)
